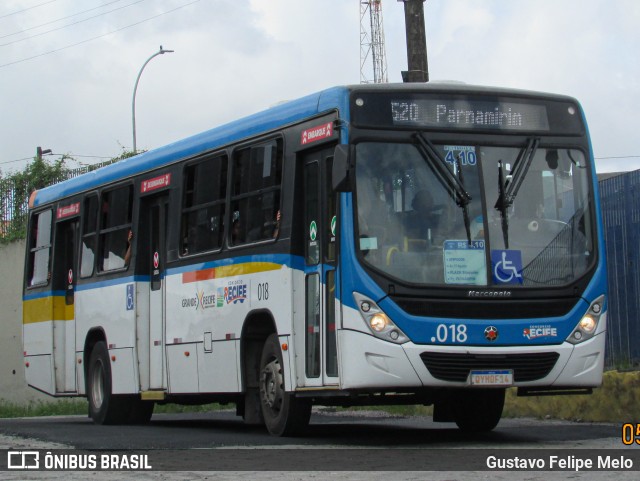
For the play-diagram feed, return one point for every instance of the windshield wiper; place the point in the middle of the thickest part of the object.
(501, 205)
(449, 181)
(508, 188)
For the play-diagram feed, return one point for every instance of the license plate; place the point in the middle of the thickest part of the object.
(491, 378)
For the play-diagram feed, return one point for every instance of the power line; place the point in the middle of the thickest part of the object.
(28, 8)
(61, 155)
(16, 160)
(60, 19)
(97, 36)
(69, 24)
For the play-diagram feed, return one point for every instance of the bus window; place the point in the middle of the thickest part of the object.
(115, 225)
(257, 173)
(40, 249)
(203, 206)
(90, 225)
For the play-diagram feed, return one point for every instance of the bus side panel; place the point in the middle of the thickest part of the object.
(64, 354)
(105, 307)
(124, 380)
(39, 373)
(208, 306)
(38, 349)
(48, 341)
(182, 361)
(210, 357)
(80, 384)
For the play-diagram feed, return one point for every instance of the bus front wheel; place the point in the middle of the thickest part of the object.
(478, 410)
(284, 414)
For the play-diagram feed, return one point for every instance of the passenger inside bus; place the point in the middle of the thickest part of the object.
(237, 236)
(423, 221)
(127, 254)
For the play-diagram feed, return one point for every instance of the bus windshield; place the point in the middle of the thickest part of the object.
(469, 214)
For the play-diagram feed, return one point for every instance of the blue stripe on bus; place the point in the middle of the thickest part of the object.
(40, 295)
(293, 262)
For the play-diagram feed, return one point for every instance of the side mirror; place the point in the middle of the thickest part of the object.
(340, 175)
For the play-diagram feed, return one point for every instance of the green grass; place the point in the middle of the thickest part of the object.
(617, 401)
(63, 407)
(68, 407)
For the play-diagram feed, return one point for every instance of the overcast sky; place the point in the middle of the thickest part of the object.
(68, 67)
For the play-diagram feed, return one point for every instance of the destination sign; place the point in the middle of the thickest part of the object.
(474, 112)
(470, 114)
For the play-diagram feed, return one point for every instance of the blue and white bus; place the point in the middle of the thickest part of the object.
(373, 244)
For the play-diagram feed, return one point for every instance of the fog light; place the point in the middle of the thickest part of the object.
(365, 306)
(596, 308)
(577, 335)
(394, 335)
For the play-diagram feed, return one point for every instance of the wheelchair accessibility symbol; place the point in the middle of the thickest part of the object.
(506, 266)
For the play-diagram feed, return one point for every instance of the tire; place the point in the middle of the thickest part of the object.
(104, 407)
(284, 414)
(477, 411)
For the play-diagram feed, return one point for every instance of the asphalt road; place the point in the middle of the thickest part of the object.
(345, 445)
(351, 429)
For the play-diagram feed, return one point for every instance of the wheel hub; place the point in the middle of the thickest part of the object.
(271, 385)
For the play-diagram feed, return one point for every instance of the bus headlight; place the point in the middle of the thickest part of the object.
(587, 326)
(379, 322)
(380, 325)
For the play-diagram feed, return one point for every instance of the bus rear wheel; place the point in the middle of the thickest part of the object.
(104, 407)
(284, 414)
(477, 411)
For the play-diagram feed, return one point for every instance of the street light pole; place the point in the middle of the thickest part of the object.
(135, 89)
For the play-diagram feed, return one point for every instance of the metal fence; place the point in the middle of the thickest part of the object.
(620, 197)
(14, 200)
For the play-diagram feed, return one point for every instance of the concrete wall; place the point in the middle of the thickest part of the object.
(13, 386)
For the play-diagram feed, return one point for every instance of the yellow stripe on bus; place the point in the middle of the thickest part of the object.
(229, 271)
(47, 309)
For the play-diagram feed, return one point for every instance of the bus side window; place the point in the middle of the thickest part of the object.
(255, 201)
(115, 224)
(203, 205)
(40, 248)
(90, 227)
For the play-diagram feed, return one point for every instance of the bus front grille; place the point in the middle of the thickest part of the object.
(456, 367)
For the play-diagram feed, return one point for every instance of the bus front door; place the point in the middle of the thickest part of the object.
(150, 325)
(320, 219)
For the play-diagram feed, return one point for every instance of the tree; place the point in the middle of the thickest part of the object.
(16, 188)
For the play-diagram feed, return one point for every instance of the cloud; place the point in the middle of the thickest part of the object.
(235, 57)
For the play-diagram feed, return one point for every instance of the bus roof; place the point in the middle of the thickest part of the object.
(262, 122)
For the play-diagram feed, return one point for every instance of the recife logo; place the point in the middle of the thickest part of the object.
(235, 292)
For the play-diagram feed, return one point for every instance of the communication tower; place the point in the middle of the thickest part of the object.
(372, 42)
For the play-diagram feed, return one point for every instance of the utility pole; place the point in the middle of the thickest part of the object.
(40, 152)
(418, 70)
